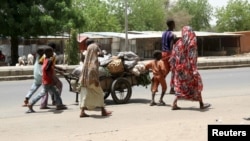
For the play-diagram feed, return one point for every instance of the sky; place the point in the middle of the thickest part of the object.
(215, 4)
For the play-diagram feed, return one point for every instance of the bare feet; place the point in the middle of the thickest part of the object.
(26, 102)
(106, 113)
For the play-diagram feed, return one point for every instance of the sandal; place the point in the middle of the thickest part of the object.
(247, 118)
(46, 107)
(176, 107)
(61, 107)
(152, 103)
(83, 115)
(161, 103)
(205, 106)
(30, 109)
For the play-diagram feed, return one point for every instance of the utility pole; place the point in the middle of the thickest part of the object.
(126, 25)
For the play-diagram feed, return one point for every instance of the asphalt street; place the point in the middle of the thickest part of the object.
(226, 89)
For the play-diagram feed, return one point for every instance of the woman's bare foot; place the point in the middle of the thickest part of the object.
(105, 112)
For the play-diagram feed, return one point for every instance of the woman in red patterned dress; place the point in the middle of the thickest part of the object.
(187, 80)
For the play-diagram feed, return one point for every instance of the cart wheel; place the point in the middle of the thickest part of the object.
(121, 91)
(106, 94)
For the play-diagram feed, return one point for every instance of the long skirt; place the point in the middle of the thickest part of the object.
(91, 97)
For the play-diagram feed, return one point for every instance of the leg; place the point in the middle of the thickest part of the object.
(44, 102)
(152, 103)
(59, 103)
(83, 114)
(203, 105)
(161, 102)
(174, 106)
(164, 88)
(59, 85)
(38, 97)
(154, 87)
(33, 89)
(172, 83)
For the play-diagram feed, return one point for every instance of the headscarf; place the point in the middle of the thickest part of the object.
(189, 39)
(90, 73)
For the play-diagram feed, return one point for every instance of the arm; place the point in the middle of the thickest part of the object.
(60, 70)
(163, 68)
(48, 66)
(193, 59)
(148, 65)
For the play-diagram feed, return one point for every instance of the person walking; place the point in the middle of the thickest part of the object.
(37, 73)
(91, 93)
(48, 84)
(159, 74)
(167, 44)
(187, 80)
(57, 81)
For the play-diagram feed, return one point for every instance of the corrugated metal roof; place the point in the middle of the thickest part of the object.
(149, 34)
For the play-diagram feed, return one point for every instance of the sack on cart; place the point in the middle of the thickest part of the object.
(115, 66)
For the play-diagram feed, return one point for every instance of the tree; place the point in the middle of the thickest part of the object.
(97, 16)
(72, 49)
(142, 14)
(200, 10)
(147, 15)
(234, 17)
(31, 18)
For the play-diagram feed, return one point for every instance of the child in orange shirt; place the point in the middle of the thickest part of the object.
(159, 73)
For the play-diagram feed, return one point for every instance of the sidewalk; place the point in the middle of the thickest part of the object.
(213, 62)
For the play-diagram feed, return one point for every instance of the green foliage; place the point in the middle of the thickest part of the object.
(200, 11)
(98, 17)
(142, 14)
(147, 15)
(234, 17)
(72, 49)
(144, 79)
(27, 18)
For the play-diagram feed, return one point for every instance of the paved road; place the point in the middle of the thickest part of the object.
(226, 89)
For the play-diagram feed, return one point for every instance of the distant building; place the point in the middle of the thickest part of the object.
(143, 43)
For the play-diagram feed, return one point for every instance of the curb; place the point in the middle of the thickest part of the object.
(10, 73)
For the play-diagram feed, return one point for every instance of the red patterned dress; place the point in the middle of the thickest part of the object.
(187, 80)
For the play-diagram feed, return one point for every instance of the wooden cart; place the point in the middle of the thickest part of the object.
(119, 85)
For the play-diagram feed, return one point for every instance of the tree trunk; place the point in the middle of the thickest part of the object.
(14, 50)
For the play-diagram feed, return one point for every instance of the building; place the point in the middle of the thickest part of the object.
(143, 43)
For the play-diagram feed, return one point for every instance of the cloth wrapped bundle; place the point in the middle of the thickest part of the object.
(115, 66)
